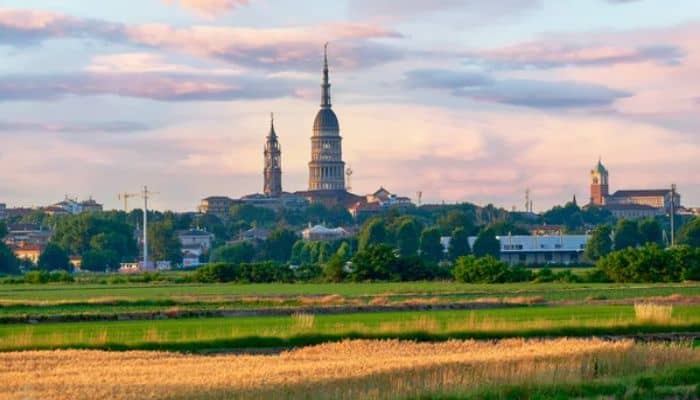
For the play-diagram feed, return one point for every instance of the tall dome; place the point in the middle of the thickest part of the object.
(326, 169)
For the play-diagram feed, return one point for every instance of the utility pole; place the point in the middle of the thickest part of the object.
(146, 194)
(673, 215)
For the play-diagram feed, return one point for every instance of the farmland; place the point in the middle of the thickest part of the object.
(322, 331)
(352, 369)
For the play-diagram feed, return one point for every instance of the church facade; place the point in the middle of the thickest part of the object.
(630, 204)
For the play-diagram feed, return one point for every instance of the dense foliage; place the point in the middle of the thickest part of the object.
(652, 264)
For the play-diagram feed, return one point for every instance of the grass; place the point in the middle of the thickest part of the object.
(359, 369)
(551, 291)
(304, 329)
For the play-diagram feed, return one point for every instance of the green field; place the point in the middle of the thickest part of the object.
(551, 291)
(203, 334)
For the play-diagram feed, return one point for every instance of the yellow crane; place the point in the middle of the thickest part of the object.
(125, 197)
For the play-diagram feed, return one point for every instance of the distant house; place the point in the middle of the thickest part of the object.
(541, 250)
(73, 206)
(537, 249)
(195, 243)
(254, 235)
(216, 205)
(377, 202)
(321, 233)
(30, 252)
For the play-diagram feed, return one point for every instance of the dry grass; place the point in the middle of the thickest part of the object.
(351, 369)
(653, 313)
(529, 300)
(303, 322)
(379, 301)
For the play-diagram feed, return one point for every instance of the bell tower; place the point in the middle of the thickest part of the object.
(273, 163)
(599, 185)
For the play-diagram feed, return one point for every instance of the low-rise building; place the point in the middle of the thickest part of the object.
(634, 211)
(216, 205)
(24, 235)
(73, 206)
(29, 252)
(538, 249)
(541, 250)
(254, 235)
(195, 243)
(321, 233)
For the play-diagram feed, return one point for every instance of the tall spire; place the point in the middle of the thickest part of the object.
(326, 86)
(272, 125)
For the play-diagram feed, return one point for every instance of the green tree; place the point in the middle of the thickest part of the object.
(487, 244)
(99, 260)
(431, 248)
(333, 269)
(251, 215)
(234, 254)
(690, 233)
(647, 264)
(487, 269)
(408, 237)
(54, 257)
(626, 234)
(108, 231)
(9, 264)
(372, 232)
(163, 243)
(650, 232)
(455, 219)
(600, 244)
(459, 244)
(375, 262)
(278, 246)
(344, 252)
(3, 230)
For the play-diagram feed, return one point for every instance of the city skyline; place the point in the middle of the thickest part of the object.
(507, 99)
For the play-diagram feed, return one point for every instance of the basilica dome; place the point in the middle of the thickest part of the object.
(326, 123)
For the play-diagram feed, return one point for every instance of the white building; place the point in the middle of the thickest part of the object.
(538, 249)
(194, 242)
(321, 233)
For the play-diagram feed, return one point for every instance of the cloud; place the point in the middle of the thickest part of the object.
(474, 10)
(274, 49)
(517, 92)
(209, 8)
(545, 55)
(445, 79)
(25, 27)
(163, 87)
(73, 127)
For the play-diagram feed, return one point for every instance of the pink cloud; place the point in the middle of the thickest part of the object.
(272, 48)
(209, 8)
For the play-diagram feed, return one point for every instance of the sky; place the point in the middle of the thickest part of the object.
(462, 100)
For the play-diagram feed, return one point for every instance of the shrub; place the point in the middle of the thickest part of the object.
(487, 269)
(652, 264)
(264, 272)
(36, 277)
(61, 276)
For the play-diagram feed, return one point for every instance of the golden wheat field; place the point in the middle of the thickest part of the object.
(350, 369)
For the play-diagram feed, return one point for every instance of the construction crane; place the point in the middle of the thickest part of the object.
(125, 197)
